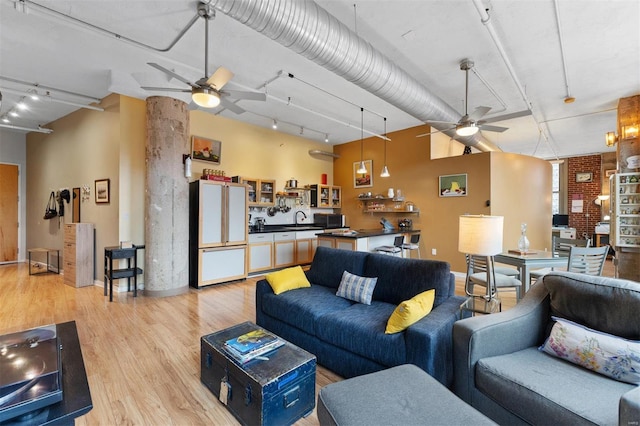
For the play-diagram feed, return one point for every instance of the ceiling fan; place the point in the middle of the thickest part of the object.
(207, 92)
(470, 124)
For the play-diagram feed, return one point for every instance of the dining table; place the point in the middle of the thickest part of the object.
(533, 259)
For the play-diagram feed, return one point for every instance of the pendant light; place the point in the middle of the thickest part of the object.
(362, 169)
(385, 170)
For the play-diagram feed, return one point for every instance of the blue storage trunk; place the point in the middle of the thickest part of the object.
(277, 391)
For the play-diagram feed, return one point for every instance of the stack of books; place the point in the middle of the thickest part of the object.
(252, 345)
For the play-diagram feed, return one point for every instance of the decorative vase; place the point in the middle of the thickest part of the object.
(390, 193)
(523, 242)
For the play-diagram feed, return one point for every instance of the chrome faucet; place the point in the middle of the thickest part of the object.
(296, 216)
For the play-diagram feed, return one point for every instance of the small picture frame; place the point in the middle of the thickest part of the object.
(102, 192)
(453, 185)
(363, 180)
(609, 173)
(204, 149)
(584, 177)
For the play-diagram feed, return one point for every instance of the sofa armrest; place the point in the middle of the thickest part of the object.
(429, 343)
(489, 335)
(629, 409)
(262, 288)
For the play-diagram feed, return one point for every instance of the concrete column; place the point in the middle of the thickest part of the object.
(166, 198)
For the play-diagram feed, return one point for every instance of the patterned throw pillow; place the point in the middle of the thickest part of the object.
(356, 288)
(603, 353)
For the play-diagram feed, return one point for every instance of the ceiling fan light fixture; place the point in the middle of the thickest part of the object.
(468, 129)
(206, 98)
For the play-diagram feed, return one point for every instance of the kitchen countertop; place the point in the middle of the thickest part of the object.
(366, 233)
(286, 228)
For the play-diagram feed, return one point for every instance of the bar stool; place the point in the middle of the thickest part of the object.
(413, 244)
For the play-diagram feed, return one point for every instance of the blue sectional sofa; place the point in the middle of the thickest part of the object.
(348, 337)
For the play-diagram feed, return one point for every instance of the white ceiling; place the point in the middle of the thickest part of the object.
(427, 39)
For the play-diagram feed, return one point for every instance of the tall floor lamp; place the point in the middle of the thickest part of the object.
(482, 236)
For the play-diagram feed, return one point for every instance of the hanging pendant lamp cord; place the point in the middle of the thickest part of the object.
(361, 134)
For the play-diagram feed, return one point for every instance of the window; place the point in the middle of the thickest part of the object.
(555, 188)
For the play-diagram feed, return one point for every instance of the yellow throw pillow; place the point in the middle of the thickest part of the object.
(287, 279)
(410, 311)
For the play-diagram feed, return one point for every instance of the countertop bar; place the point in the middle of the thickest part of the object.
(366, 233)
(287, 228)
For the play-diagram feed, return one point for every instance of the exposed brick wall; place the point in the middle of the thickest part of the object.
(588, 191)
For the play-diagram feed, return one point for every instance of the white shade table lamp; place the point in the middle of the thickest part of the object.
(482, 236)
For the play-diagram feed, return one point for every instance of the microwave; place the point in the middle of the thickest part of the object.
(329, 220)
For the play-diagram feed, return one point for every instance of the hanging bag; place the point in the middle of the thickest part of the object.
(51, 212)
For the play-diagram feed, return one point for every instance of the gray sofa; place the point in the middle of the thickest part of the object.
(348, 337)
(500, 371)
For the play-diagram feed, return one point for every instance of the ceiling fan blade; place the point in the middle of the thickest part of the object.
(434, 132)
(171, 73)
(439, 122)
(231, 106)
(219, 78)
(165, 89)
(505, 117)
(493, 128)
(242, 94)
(478, 113)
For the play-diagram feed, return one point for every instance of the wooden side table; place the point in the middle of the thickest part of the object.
(131, 271)
(48, 251)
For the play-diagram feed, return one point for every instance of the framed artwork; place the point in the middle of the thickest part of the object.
(102, 191)
(205, 149)
(76, 205)
(453, 185)
(584, 177)
(608, 173)
(363, 180)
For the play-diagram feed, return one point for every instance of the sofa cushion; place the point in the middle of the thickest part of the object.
(538, 387)
(410, 311)
(603, 353)
(356, 288)
(604, 304)
(328, 265)
(287, 279)
(400, 279)
(303, 307)
(360, 329)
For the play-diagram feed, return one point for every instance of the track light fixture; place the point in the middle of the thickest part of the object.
(362, 168)
(274, 126)
(326, 137)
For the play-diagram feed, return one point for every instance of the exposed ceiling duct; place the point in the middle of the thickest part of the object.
(312, 32)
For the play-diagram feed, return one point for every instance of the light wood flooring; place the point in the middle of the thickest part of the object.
(142, 355)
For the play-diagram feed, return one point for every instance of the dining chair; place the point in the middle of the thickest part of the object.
(588, 260)
(481, 271)
(413, 244)
(560, 247)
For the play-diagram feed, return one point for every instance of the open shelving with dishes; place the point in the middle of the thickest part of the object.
(387, 205)
(626, 206)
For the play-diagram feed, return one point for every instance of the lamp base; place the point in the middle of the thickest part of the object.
(481, 305)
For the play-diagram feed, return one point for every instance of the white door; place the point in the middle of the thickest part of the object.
(210, 214)
(237, 214)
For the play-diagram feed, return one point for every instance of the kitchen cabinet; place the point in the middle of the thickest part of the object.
(625, 203)
(260, 252)
(285, 249)
(326, 196)
(261, 191)
(218, 232)
(77, 254)
(387, 205)
(306, 244)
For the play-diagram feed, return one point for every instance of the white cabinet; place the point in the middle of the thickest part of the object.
(260, 252)
(218, 232)
(218, 265)
(285, 249)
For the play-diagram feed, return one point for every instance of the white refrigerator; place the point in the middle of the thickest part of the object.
(218, 232)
